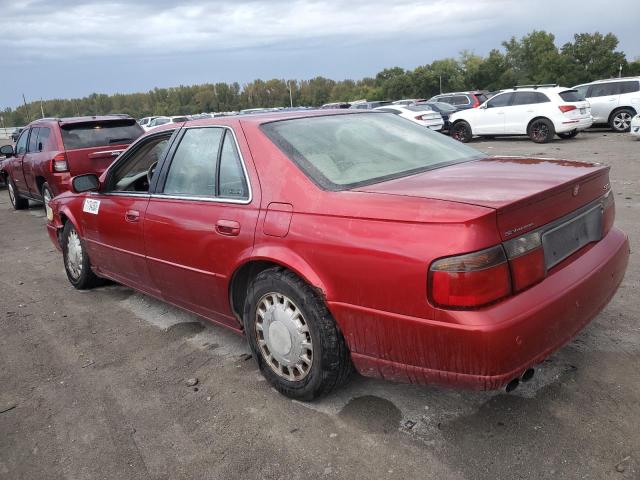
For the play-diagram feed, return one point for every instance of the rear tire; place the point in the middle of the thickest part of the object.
(16, 200)
(620, 120)
(76, 260)
(567, 135)
(294, 338)
(461, 131)
(47, 195)
(541, 131)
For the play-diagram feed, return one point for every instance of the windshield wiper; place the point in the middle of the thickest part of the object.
(115, 140)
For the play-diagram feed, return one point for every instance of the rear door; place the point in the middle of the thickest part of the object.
(524, 107)
(92, 146)
(604, 98)
(202, 220)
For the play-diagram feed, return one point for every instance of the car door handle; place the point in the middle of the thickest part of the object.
(132, 216)
(229, 228)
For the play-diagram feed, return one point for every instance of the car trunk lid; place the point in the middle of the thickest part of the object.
(526, 193)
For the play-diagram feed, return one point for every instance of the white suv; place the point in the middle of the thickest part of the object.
(613, 101)
(539, 111)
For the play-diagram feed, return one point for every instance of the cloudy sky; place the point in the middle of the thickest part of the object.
(65, 48)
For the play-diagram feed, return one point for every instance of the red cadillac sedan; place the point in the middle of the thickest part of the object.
(342, 239)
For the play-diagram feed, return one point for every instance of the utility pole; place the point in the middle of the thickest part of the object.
(290, 96)
(41, 108)
(26, 107)
(441, 84)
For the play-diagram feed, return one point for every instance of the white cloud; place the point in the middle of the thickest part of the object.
(63, 29)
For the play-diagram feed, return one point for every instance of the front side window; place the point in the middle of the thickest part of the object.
(193, 168)
(630, 86)
(134, 174)
(582, 91)
(33, 140)
(21, 145)
(500, 100)
(339, 152)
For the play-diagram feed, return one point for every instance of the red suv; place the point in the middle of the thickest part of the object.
(50, 151)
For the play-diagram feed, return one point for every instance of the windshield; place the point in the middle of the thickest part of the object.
(99, 134)
(339, 152)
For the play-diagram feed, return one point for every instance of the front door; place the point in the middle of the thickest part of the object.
(201, 221)
(113, 219)
(16, 164)
(491, 118)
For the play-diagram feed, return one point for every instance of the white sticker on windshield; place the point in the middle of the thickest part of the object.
(91, 206)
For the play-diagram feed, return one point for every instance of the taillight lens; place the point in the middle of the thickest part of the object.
(526, 258)
(59, 163)
(471, 280)
(567, 108)
(419, 117)
(608, 212)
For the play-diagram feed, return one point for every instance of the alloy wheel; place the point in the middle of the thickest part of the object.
(540, 131)
(12, 195)
(283, 337)
(622, 121)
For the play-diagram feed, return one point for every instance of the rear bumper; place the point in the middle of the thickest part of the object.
(571, 124)
(486, 349)
(52, 230)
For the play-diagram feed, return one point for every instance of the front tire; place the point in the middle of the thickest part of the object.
(541, 131)
(293, 336)
(461, 131)
(76, 260)
(567, 135)
(16, 200)
(620, 120)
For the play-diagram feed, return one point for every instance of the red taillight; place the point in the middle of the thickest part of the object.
(567, 108)
(59, 163)
(526, 259)
(419, 117)
(608, 212)
(471, 280)
(476, 102)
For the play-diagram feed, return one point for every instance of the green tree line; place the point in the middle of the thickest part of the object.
(534, 58)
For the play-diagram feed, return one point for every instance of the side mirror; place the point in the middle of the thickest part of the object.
(85, 183)
(7, 150)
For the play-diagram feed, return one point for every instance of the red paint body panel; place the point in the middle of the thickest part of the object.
(368, 252)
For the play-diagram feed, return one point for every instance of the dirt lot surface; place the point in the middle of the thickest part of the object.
(92, 384)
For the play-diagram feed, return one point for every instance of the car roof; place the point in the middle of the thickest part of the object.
(607, 80)
(268, 117)
(87, 119)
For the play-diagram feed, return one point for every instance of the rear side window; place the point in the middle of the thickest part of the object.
(33, 140)
(630, 86)
(45, 140)
(193, 168)
(604, 89)
(99, 134)
(459, 100)
(571, 96)
(232, 181)
(529, 98)
(500, 100)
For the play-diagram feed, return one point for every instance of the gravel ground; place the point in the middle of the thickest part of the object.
(93, 385)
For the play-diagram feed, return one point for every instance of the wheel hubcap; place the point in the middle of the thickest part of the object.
(46, 197)
(283, 337)
(12, 196)
(622, 121)
(74, 255)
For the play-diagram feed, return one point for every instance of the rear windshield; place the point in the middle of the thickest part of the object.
(445, 107)
(339, 152)
(419, 108)
(100, 134)
(571, 96)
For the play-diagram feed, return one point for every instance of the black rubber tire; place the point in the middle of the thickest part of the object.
(331, 366)
(614, 119)
(16, 200)
(461, 131)
(567, 135)
(541, 130)
(87, 279)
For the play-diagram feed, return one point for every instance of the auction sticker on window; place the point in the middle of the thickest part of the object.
(91, 206)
